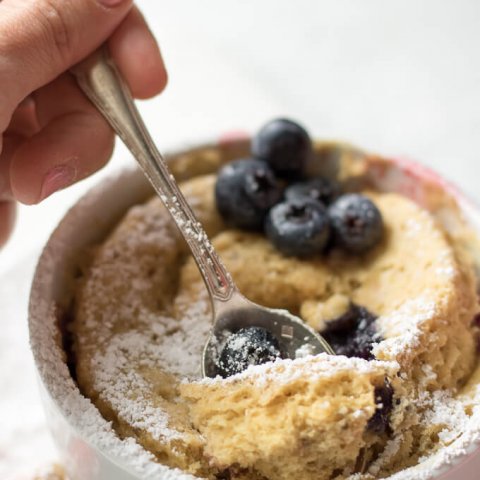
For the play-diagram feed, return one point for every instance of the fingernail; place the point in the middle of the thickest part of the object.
(111, 3)
(56, 179)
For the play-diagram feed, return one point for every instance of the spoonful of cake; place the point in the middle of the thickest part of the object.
(243, 332)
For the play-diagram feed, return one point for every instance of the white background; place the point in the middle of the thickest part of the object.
(397, 77)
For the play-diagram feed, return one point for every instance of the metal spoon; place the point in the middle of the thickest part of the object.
(100, 80)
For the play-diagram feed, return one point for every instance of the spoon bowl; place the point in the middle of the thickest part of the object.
(102, 83)
(295, 338)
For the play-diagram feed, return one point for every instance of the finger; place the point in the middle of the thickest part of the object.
(7, 220)
(138, 56)
(74, 142)
(42, 38)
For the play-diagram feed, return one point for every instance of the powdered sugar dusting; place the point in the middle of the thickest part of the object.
(319, 366)
(81, 415)
(449, 413)
(402, 327)
(304, 351)
(463, 440)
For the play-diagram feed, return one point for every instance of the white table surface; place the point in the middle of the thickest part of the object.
(401, 78)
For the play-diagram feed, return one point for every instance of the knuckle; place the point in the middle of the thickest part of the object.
(57, 30)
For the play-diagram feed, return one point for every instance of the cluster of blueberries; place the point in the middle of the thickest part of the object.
(300, 216)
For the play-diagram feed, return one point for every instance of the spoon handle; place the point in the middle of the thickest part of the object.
(100, 80)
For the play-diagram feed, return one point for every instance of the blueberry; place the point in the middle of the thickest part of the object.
(356, 222)
(285, 145)
(249, 346)
(298, 227)
(320, 189)
(245, 191)
(353, 334)
(380, 421)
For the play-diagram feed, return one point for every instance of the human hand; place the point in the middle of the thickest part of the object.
(50, 134)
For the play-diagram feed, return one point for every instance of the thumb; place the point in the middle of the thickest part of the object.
(40, 39)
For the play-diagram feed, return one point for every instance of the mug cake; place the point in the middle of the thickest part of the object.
(383, 266)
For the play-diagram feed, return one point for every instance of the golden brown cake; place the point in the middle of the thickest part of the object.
(142, 316)
(289, 419)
